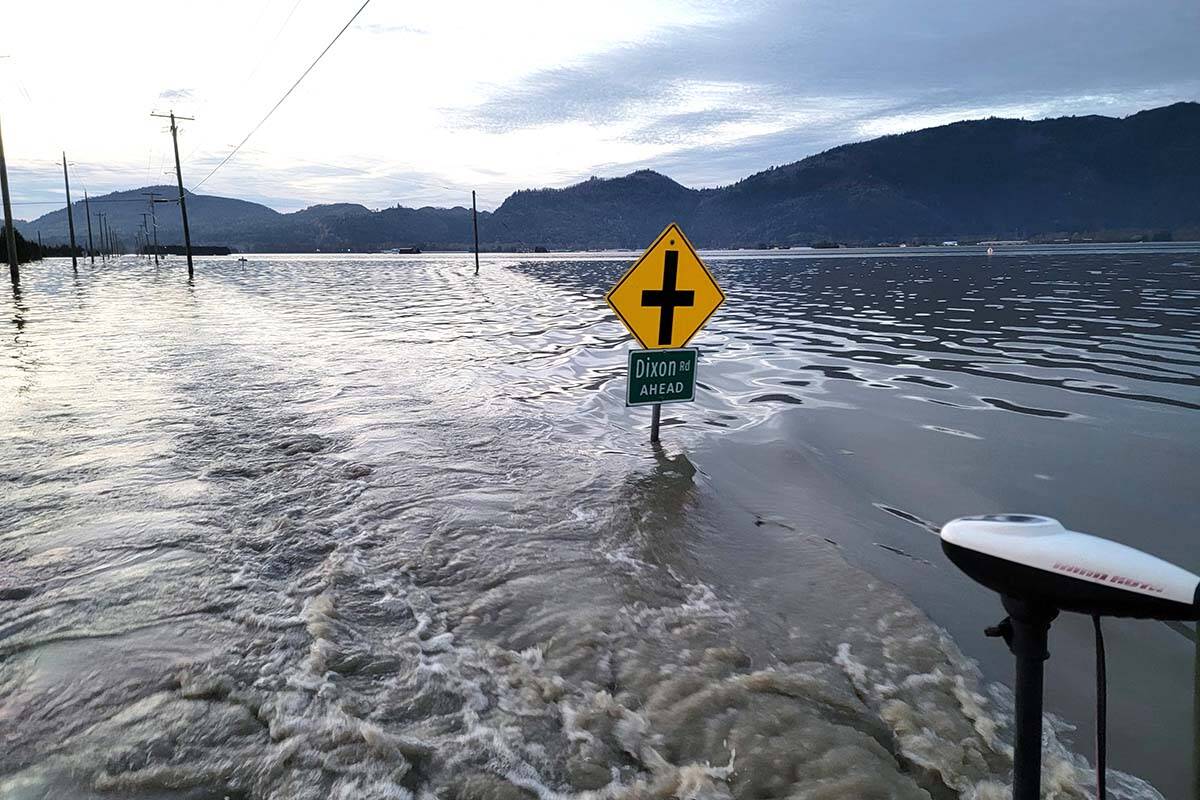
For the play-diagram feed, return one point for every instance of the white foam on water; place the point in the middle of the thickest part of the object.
(946, 719)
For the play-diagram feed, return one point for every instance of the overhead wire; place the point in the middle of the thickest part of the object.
(237, 148)
(83, 185)
(243, 82)
(79, 175)
(271, 45)
(286, 95)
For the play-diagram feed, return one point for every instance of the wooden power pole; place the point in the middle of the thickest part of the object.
(146, 233)
(475, 228)
(153, 219)
(87, 209)
(10, 236)
(70, 215)
(103, 237)
(187, 235)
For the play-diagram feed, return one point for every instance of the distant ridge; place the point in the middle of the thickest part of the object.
(1070, 177)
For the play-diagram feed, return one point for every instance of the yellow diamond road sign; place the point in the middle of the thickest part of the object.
(668, 295)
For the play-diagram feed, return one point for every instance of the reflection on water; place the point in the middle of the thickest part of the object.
(374, 527)
(1112, 325)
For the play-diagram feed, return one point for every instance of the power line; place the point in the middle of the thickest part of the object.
(286, 95)
(242, 82)
(278, 33)
(94, 202)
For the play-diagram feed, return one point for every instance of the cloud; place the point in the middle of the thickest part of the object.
(814, 74)
(943, 48)
(674, 127)
(422, 103)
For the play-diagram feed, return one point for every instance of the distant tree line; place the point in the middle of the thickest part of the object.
(32, 251)
(26, 250)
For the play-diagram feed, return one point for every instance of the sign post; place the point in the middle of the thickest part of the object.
(664, 299)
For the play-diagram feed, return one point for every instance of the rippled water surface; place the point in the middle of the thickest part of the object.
(376, 528)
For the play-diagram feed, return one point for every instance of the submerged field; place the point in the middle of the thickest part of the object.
(375, 527)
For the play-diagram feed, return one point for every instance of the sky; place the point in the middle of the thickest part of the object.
(418, 103)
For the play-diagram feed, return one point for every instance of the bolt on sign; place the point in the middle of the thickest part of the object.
(668, 295)
(661, 376)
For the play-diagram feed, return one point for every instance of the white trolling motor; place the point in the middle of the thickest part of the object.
(1040, 568)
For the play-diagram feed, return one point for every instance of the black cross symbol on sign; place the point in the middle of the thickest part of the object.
(668, 298)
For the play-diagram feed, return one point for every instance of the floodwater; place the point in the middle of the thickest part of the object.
(374, 527)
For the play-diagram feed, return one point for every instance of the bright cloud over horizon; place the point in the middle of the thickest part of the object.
(418, 103)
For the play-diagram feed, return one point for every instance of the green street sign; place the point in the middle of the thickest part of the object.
(661, 376)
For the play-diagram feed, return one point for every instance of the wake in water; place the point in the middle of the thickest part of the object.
(374, 689)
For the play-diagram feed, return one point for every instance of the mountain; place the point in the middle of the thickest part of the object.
(617, 212)
(991, 178)
(332, 211)
(213, 220)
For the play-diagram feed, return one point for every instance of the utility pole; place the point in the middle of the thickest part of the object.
(103, 237)
(475, 227)
(144, 236)
(10, 237)
(187, 235)
(154, 232)
(154, 220)
(87, 207)
(70, 215)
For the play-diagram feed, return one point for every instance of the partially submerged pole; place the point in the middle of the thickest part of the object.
(655, 419)
(154, 220)
(187, 236)
(145, 235)
(70, 215)
(87, 209)
(103, 236)
(475, 227)
(10, 235)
